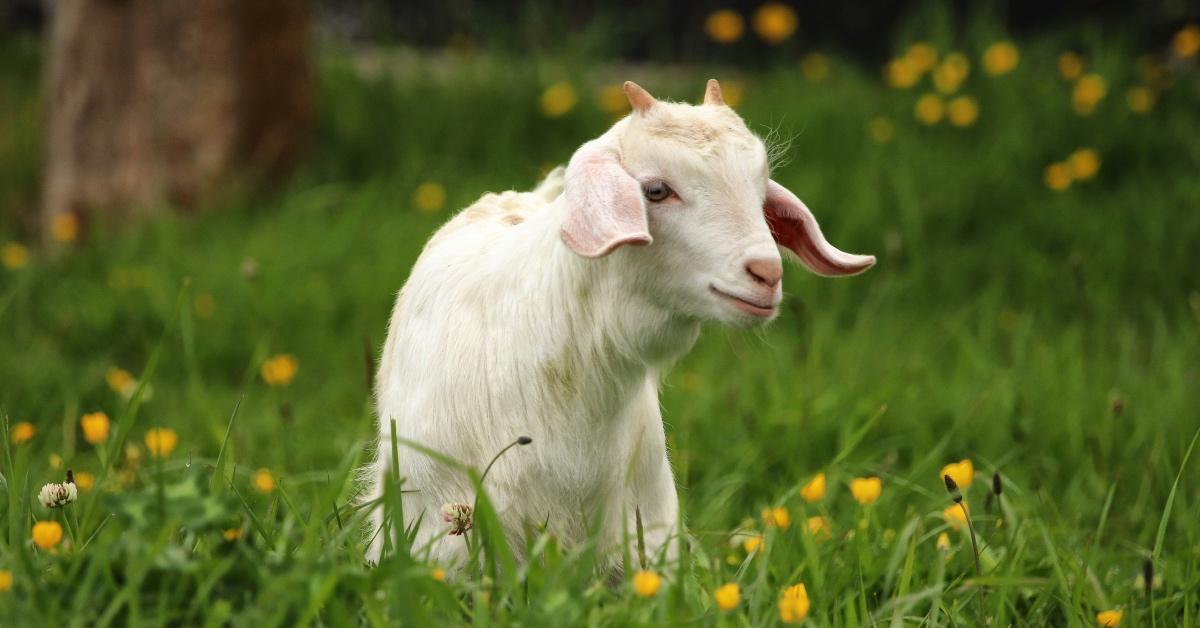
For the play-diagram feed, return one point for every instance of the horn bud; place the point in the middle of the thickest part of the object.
(639, 98)
(712, 93)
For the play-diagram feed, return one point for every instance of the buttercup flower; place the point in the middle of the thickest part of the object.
(724, 26)
(775, 22)
(459, 516)
(1186, 43)
(263, 481)
(866, 490)
(815, 67)
(6, 580)
(779, 517)
(85, 481)
(22, 432)
(1110, 619)
(1070, 65)
(929, 109)
(120, 381)
(231, 534)
(951, 72)
(1140, 99)
(963, 111)
(1057, 176)
(64, 227)
(55, 461)
(14, 255)
(47, 534)
(1088, 91)
(901, 73)
(279, 370)
(1000, 58)
(753, 543)
(438, 574)
(58, 495)
(95, 427)
(612, 99)
(962, 472)
(955, 516)
(646, 583)
(921, 56)
(1085, 163)
(814, 490)
(558, 99)
(881, 130)
(727, 596)
(819, 527)
(793, 606)
(943, 542)
(161, 441)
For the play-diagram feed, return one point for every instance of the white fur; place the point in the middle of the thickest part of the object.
(503, 330)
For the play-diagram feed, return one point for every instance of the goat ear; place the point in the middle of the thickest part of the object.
(605, 208)
(795, 229)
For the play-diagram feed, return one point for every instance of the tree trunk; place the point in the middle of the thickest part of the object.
(153, 103)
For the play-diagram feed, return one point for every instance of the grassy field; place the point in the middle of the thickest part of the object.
(1051, 336)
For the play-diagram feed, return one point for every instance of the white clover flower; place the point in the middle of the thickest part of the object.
(459, 516)
(58, 495)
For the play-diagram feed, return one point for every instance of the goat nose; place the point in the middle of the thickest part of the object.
(765, 271)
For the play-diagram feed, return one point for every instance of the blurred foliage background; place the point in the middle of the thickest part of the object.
(1026, 174)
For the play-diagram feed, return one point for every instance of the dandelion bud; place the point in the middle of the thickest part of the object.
(952, 488)
(1148, 575)
(997, 485)
(70, 477)
(524, 440)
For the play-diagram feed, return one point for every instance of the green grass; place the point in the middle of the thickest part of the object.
(1004, 323)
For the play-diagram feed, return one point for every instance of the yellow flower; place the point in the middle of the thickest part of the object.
(951, 72)
(438, 574)
(161, 441)
(84, 480)
(22, 432)
(280, 369)
(962, 472)
(1085, 163)
(901, 73)
(727, 596)
(47, 534)
(724, 26)
(775, 22)
(612, 99)
(819, 527)
(752, 543)
(120, 381)
(954, 515)
(815, 67)
(15, 255)
(6, 580)
(963, 111)
(646, 583)
(814, 490)
(929, 109)
(1070, 65)
(866, 490)
(558, 99)
(429, 197)
(1110, 619)
(1000, 58)
(95, 426)
(779, 517)
(793, 606)
(204, 305)
(133, 454)
(55, 461)
(943, 542)
(921, 57)
(64, 227)
(1186, 43)
(232, 534)
(733, 92)
(881, 130)
(1088, 91)
(1140, 99)
(1057, 176)
(264, 482)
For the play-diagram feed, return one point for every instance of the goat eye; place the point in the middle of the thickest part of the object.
(656, 191)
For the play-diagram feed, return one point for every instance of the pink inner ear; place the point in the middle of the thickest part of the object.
(795, 228)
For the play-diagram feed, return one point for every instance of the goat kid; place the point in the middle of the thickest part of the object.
(552, 314)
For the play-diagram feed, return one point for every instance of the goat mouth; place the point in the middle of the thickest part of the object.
(749, 307)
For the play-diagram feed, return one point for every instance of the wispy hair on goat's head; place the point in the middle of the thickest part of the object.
(689, 188)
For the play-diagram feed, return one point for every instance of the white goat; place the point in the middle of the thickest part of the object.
(528, 314)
